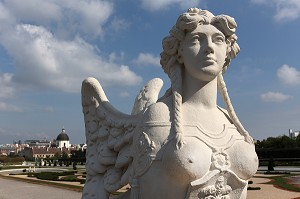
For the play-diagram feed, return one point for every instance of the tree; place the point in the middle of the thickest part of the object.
(280, 142)
(297, 141)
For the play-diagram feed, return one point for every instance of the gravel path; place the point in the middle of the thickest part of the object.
(13, 189)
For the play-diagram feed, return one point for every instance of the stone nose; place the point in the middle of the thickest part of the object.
(209, 47)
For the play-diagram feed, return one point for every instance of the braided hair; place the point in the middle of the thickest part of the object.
(187, 22)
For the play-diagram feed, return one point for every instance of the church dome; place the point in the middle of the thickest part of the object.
(62, 136)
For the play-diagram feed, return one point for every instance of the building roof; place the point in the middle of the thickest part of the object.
(62, 136)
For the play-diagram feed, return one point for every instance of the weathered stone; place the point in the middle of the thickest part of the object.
(182, 145)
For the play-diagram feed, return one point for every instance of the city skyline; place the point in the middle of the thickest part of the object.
(46, 53)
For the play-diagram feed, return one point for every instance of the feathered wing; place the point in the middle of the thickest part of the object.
(147, 96)
(109, 136)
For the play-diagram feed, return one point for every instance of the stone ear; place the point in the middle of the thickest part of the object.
(228, 50)
(179, 57)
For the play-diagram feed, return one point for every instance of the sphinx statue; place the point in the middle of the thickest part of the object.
(181, 145)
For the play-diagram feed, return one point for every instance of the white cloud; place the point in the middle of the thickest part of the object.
(147, 59)
(6, 86)
(274, 97)
(260, 1)
(46, 54)
(4, 107)
(124, 94)
(49, 109)
(155, 5)
(286, 10)
(62, 16)
(118, 25)
(288, 75)
(116, 57)
(41, 60)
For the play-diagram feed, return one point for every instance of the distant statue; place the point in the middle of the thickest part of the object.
(182, 145)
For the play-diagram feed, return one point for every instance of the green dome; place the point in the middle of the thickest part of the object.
(62, 136)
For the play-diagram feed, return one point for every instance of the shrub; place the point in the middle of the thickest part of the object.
(71, 178)
(253, 188)
(47, 175)
(11, 160)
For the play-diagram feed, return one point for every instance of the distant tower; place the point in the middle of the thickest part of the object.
(62, 140)
(291, 133)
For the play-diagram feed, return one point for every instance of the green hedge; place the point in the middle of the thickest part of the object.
(72, 178)
(47, 175)
(54, 176)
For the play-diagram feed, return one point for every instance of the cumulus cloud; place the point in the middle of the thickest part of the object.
(124, 94)
(6, 86)
(147, 59)
(47, 55)
(118, 25)
(274, 97)
(61, 16)
(288, 75)
(44, 61)
(155, 5)
(286, 10)
(5, 107)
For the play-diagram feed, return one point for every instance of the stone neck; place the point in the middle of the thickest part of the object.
(200, 93)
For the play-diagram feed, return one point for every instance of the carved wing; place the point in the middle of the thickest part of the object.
(109, 136)
(147, 96)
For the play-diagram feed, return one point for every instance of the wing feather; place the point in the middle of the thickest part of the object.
(109, 135)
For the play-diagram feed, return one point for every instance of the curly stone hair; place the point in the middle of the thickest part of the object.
(187, 22)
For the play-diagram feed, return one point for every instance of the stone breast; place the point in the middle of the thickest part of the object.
(203, 152)
(188, 163)
(243, 158)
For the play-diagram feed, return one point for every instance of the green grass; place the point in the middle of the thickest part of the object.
(282, 182)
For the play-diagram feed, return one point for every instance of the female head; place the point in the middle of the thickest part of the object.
(173, 65)
(189, 21)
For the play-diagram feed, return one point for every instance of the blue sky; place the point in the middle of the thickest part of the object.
(48, 47)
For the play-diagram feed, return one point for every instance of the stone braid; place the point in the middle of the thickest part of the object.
(230, 109)
(176, 79)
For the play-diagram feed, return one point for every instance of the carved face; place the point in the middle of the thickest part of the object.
(203, 52)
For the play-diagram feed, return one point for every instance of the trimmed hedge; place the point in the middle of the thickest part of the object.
(72, 178)
(11, 160)
(54, 176)
(47, 176)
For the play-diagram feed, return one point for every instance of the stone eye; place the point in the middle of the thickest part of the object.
(218, 39)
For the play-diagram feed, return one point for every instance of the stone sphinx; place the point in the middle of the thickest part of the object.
(181, 145)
